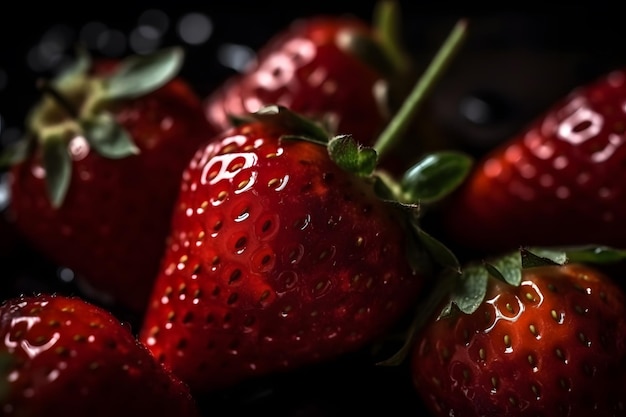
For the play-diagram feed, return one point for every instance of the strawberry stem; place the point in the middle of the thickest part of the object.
(402, 119)
(46, 88)
(387, 22)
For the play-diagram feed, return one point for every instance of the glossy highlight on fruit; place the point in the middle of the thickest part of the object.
(558, 182)
(555, 344)
(277, 259)
(60, 355)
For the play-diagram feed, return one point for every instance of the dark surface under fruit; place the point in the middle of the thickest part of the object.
(512, 66)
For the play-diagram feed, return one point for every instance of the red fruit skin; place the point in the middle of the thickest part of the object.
(112, 226)
(558, 182)
(277, 259)
(555, 345)
(71, 358)
(307, 68)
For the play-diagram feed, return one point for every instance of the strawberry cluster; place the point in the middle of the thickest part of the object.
(290, 219)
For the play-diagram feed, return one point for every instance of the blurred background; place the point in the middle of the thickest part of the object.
(514, 64)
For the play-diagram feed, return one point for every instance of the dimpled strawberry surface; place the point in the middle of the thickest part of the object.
(511, 69)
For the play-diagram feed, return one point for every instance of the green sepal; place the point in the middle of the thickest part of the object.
(473, 280)
(79, 68)
(424, 312)
(586, 253)
(531, 259)
(107, 137)
(58, 165)
(295, 122)
(439, 252)
(140, 75)
(470, 291)
(435, 176)
(352, 156)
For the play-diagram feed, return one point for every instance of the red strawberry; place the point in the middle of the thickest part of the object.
(526, 336)
(64, 356)
(341, 70)
(558, 182)
(106, 149)
(281, 255)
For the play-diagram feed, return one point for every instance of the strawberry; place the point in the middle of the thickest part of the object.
(558, 182)
(94, 182)
(62, 355)
(534, 333)
(348, 73)
(288, 248)
(285, 251)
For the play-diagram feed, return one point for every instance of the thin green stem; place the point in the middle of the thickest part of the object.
(402, 120)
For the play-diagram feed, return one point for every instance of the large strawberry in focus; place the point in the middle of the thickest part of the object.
(341, 70)
(64, 356)
(286, 250)
(94, 181)
(533, 335)
(558, 182)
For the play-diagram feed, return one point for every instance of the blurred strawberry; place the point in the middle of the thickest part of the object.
(342, 71)
(64, 356)
(561, 181)
(94, 181)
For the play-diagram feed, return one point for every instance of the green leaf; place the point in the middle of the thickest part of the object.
(507, 268)
(107, 137)
(351, 156)
(440, 252)
(542, 258)
(302, 127)
(77, 69)
(435, 176)
(58, 165)
(425, 312)
(470, 292)
(586, 254)
(140, 75)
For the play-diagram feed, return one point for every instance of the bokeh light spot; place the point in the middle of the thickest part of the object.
(237, 57)
(195, 28)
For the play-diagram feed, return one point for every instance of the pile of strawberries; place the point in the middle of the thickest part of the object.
(301, 214)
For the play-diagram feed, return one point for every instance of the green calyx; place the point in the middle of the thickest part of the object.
(471, 286)
(463, 290)
(79, 104)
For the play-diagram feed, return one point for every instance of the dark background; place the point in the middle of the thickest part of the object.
(517, 59)
(514, 64)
